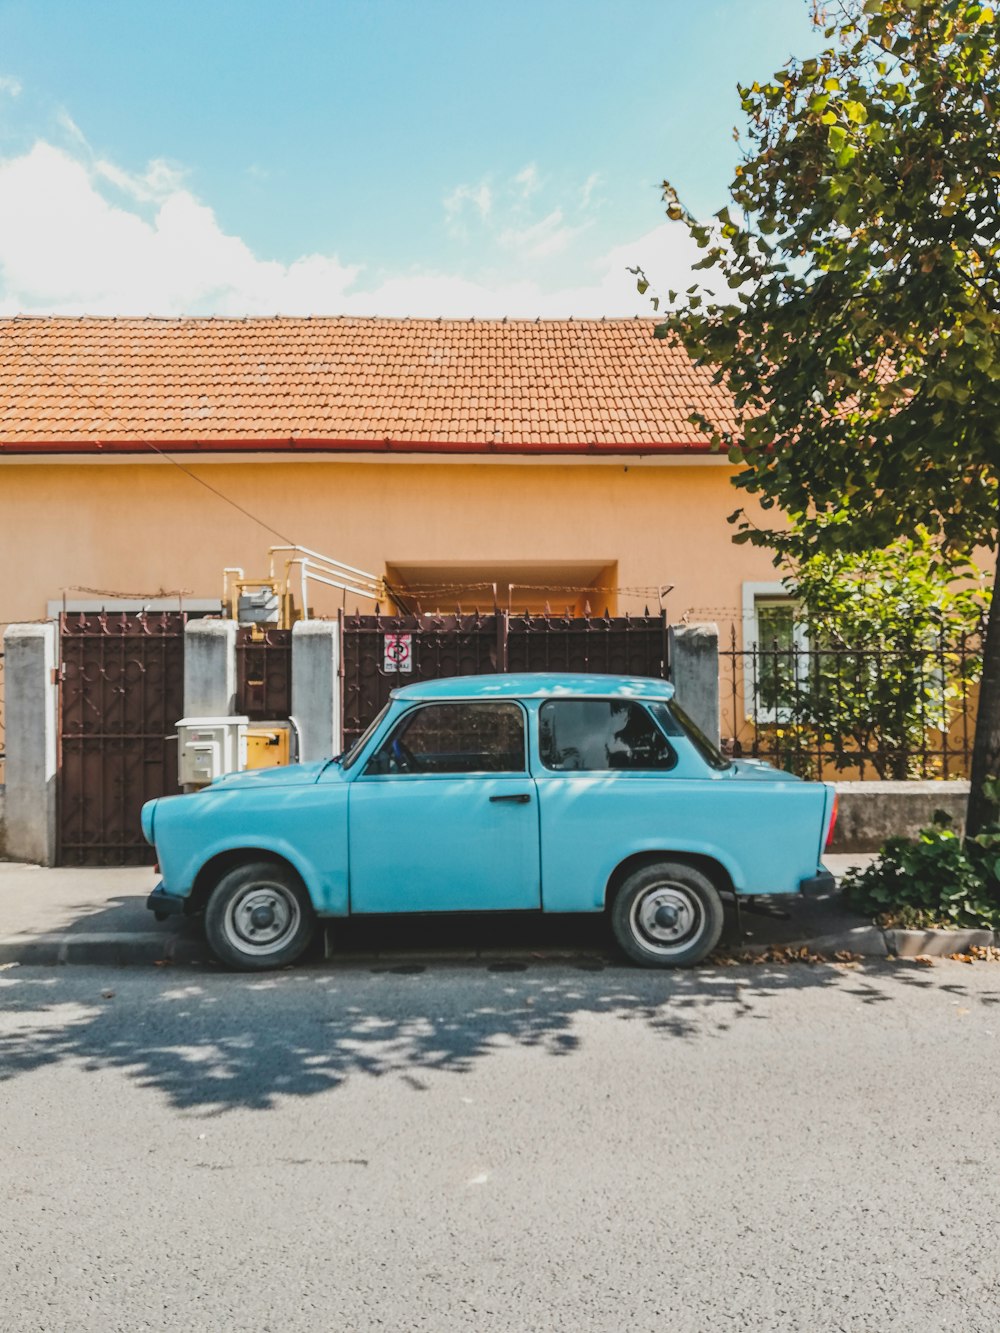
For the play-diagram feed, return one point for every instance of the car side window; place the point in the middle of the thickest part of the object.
(588, 735)
(469, 737)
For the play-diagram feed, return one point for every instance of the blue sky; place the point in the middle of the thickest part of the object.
(369, 156)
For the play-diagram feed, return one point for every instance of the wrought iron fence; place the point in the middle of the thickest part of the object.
(381, 652)
(264, 673)
(870, 711)
(121, 693)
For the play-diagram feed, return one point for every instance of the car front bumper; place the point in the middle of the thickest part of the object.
(163, 904)
(818, 885)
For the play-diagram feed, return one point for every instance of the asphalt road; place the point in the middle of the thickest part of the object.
(793, 1148)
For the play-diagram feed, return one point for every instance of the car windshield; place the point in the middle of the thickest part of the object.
(350, 755)
(675, 722)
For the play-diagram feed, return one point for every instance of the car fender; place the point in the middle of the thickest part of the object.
(327, 892)
(679, 847)
(569, 894)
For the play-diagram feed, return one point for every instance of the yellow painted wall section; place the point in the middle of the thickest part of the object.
(139, 528)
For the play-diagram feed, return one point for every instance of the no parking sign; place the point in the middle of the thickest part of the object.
(398, 652)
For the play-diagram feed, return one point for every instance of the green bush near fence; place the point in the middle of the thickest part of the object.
(937, 880)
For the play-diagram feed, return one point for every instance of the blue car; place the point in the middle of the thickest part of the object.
(546, 793)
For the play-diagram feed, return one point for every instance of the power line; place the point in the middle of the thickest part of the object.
(268, 527)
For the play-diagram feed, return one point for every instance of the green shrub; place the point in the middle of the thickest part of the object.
(937, 880)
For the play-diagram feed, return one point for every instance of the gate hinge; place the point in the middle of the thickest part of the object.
(57, 675)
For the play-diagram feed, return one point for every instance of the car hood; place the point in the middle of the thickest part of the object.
(288, 775)
(759, 770)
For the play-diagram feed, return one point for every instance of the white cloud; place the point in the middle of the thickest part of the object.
(457, 202)
(67, 122)
(589, 186)
(155, 185)
(550, 235)
(516, 219)
(66, 247)
(10, 85)
(528, 181)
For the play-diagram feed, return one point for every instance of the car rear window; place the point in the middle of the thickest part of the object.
(590, 735)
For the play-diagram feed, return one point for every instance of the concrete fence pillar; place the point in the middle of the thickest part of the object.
(316, 687)
(694, 670)
(31, 709)
(210, 668)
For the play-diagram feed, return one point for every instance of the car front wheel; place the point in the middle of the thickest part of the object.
(259, 917)
(667, 915)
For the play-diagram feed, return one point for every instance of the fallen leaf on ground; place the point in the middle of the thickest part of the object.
(772, 954)
(924, 960)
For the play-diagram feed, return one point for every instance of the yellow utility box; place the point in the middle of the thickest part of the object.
(268, 744)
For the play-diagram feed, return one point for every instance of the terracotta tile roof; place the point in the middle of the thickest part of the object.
(519, 386)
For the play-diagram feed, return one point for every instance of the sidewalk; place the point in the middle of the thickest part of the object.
(99, 916)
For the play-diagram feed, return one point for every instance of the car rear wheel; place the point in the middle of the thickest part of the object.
(259, 917)
(667, 915)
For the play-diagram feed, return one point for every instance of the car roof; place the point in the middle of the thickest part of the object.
(535, 685)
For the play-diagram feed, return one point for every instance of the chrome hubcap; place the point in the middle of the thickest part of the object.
(666, 917)
(262, 918)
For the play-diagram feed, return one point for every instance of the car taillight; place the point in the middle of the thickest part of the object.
(833, 822)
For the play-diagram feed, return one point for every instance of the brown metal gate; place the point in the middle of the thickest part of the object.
(121, 696)
(264, 673)
(430, 647)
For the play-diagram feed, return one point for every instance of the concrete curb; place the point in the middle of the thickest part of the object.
(869, 941)
(874, 942)
(939, 943)
(145, 949)
(117, 948)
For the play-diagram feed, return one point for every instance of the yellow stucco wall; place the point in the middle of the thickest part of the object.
(139, 527)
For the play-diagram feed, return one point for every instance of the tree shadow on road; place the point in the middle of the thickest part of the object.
(211, 1042)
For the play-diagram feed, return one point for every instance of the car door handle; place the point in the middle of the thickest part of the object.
(518, 798)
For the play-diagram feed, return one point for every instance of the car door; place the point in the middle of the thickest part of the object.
(605, 789)
(444, 816)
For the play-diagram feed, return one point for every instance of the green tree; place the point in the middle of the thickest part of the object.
(886, 629)
(862, 250)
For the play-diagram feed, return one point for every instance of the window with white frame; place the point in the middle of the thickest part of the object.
(774, 644)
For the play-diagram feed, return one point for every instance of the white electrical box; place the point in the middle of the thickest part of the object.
(207, 747)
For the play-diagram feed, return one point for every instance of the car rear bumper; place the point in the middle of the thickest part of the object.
(163, 904)
(818, 885)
